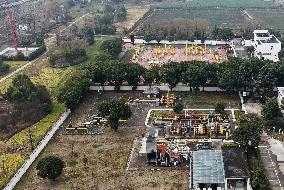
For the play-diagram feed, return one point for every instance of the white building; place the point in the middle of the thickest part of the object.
(266, 46)
(280, 95)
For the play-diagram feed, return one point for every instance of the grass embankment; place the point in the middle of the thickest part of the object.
(18, 147)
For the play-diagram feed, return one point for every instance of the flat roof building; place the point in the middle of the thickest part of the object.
(266, 46)
(236, 169)
(208, 169)
(224, 169)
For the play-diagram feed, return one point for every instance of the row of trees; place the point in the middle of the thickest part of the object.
(248, 135)
(256, 76)
(198, 34)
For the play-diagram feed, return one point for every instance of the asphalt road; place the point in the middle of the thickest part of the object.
(275, 176)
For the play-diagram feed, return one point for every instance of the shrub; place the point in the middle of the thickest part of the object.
(178, 107)
(50, 167)
(220, 108)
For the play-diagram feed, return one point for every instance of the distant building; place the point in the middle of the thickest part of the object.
(266, 46)
(280, 97)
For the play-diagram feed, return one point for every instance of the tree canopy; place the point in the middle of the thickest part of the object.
(4, 68)
(270, 109)
(178, 107)
(50, 167)
(115, 110)
(249, 131)
(23, 90)
(112, 46)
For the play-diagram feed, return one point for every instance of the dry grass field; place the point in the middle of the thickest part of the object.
(107, 156)
(134, 13)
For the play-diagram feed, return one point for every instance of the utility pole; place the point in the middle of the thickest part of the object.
(31, 139)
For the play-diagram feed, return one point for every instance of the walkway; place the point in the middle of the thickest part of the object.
(36, 152)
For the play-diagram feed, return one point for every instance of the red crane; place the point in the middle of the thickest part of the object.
(12, 26)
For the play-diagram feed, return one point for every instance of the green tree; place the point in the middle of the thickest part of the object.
(148, 37)
(121, 14)
(112, 46)
(134, 74)
(270, 109)
(102, 56)
(50, 167)
(115, 72)
(87, 33)
(220, 108)
(21, 90)
(259, 179)
(250, 50)
(228, 76)
(152, 75)
(249, 131)
(97, 73)
(4, 68)
(113, 120)
(115, 109)
(178, 107)
(171, 74)
(195, 74)
(265, 81)
(222, 33)
(74, 88)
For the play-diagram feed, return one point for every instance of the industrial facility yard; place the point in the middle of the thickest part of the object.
(108, 154)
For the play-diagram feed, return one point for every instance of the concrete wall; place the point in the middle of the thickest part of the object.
(163, 87)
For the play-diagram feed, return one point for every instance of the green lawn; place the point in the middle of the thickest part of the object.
(210, 99)
(13, 160)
